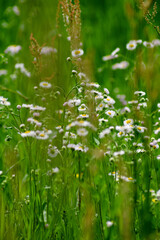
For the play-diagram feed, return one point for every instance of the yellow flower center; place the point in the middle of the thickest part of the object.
(42, 135)
(77, 52)
(128, 121)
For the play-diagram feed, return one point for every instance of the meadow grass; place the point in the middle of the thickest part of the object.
(79, 107)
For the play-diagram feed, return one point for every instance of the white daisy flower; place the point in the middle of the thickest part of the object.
(13, 49)
(45, 85)
(109, 100)
(3, 101)
(28, 134)
(157, 131)
(121, 134)
(140, 93)
(37, 108)
(104, 132)
(81, 148)
(41, 135)
(102, 120)
(140, 129)
(82, 132)
(82, 108)
(121, 65)
(52, 151)
(131, 45)
(100, 107)
(110, 113)
(77, 53)
(128, 122)
(84, 116)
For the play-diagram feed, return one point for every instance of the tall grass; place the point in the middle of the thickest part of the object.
(79, 149)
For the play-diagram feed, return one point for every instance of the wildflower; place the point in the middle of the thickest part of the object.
(157, 131)
(104, 132)
(140, 93)
(3, 72)
(48, 50)
(52, 151)
(125, 110)
(158, 194)
(77, 53)
(109, 100)
(100, 107)
(154, 144)
(28, 134)
(82, 132)
(80, 123)
(73, 102)
(148, 44)
(156, 42)
(22, 69)
(92, 84)
(13, 49)
(112, 56)
(36, 122)
(83, 116)
(55, 170)
(120, 134)
(18, 107)
(120, 153)
(37, 108)
(140, 129)
(106, 91)
(121, 65)
(3, 101)
(45, 85)
(82, 75)
(81, 148)
(102, 120)
(41, 135)
(131, 45)
(110, 113)
(128, 122)
(82, 108)
(109, 223)
(139, 150)
(27, 105)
